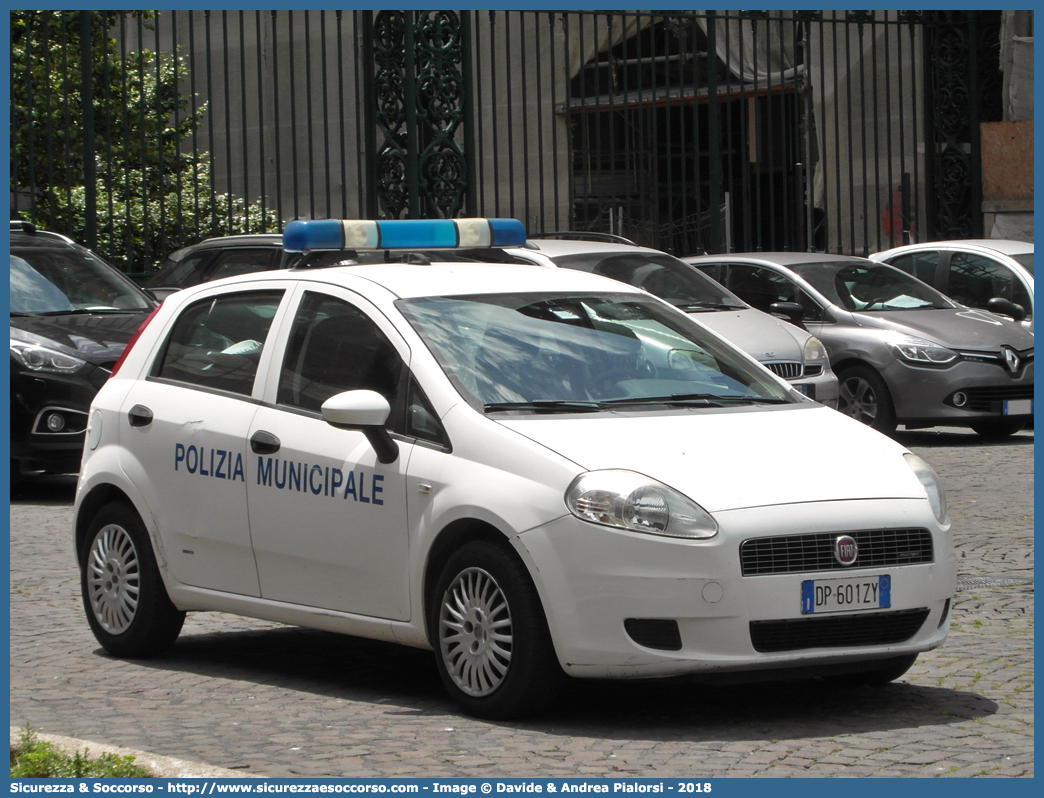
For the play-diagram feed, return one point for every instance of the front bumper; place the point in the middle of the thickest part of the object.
(822, 387)
(923, 396)
(593, 579)
(34, 396)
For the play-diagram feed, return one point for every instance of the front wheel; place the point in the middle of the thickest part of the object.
(492, 646)
(863, 395)
(123, 594)
(997, 429)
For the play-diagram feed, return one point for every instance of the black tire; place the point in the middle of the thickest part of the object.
(997, 429)
(123, 594)
(863, 395)
(481, 588)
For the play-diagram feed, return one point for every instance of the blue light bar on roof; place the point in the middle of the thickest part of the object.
(318, 234)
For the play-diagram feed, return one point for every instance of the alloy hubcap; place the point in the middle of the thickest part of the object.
(475, 634)
(113, 579)
(859, 400)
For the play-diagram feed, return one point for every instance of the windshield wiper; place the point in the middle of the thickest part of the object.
(704, 399)
(545, 405)
(83, 311)
(709, 306)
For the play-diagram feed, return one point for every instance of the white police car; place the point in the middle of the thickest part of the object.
(533, 472)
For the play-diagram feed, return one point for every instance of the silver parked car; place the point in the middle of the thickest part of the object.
(980, 273)
(786, 350)
(903, 352)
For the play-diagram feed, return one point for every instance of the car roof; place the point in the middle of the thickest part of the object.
(1002, 245)
(39, 238)
(267, 239)
(447, 279)
(555, 247)
(778, 258)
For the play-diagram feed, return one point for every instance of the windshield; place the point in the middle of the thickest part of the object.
(1026, 259)
(870, 286)
(58, 281)
(573, 353)
(661, 275)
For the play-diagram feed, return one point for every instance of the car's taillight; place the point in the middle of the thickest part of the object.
(133, 340)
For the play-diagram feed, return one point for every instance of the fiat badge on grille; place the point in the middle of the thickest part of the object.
(845, 550)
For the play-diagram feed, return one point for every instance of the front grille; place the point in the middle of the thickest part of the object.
(659, 633)
(878, 548)
(872, 629)
(988, 400)
(788, 370)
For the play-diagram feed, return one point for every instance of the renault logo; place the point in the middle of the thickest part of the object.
(845, 550)
(1011, 359)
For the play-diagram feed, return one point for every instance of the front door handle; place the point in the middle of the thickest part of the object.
(139, 416)
(264, 443)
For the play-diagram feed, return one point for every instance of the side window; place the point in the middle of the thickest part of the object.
(712, 270)
(975, 280)
(189, 272)
(241, 261)
(421, 421)
(1021, 296)
(920, 264)
(758, 287)
(335, 347)
(813, 310)
(761, 288)
(217, 342)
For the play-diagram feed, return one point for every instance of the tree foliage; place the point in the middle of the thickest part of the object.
(150, 193)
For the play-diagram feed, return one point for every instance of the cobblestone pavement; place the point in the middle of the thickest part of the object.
(270, 700)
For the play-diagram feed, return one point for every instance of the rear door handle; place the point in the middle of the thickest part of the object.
(264, 443)
(139, 416)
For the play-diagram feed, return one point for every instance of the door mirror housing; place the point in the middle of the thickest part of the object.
(1005, 307)
(792, 311)
(366, 411)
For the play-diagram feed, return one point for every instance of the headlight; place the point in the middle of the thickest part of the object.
(932, 486)
(918, 350)
(814, 351)
(627, 500)
(40, 358)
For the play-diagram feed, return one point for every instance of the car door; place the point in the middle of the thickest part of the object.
(761, 287)
(185, 444)
(328, 521)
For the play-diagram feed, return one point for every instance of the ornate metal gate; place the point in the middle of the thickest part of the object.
(418, 97)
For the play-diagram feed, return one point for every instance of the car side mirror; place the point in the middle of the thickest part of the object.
(792, 311)
(366, 411)
(1005, 307)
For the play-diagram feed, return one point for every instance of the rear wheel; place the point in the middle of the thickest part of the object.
(863, 395)
(997, 429)
(492, 645)
(123, 594)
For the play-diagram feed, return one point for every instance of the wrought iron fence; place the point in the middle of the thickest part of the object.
(141, 132)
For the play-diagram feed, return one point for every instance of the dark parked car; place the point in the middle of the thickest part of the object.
(227, 256)
(72, 314)
(216, 258)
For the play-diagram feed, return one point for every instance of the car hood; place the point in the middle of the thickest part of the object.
(760, 335)
(734, 459)
(97, 338)
(961, 328)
